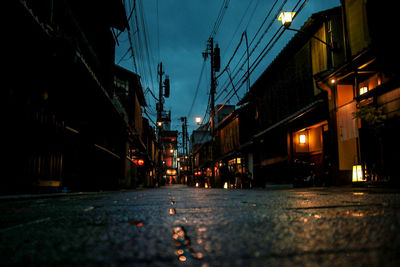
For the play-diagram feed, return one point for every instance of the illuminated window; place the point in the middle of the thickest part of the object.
(302, 138)
(363, 90)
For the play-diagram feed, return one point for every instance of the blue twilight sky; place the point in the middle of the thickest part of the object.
(175, 32)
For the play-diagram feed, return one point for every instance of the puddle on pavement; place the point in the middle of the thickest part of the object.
(183, 248)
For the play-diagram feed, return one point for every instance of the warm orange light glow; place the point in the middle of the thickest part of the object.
(363, 90)
(332, 81)
(206, 185)
(197, 184)
(172, 211)
(137, 223)
(198, 120)
(199, 255)
(171, 172)
(226, 185)
(159, 123)
(140, 162)
(357, 174)
(302, 138)
(182, 258)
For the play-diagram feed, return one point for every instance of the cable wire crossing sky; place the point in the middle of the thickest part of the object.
(176, 33)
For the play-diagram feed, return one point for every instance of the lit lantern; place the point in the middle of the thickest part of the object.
(206, 185)
(357, 174)
(302, 138)
(197, 184)
(140, 162)
(226, 185)
(286, 18)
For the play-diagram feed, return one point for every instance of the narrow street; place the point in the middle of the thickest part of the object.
(180, 225)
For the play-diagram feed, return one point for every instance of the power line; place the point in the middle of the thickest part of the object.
(237, 27)
(197, 89)
(227, 81)
(220, 16)
(263, 53)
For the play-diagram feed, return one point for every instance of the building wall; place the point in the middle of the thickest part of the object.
(357, 26)
(229, 137)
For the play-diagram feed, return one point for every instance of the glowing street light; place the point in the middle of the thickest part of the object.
(198, 120)
(286, 18)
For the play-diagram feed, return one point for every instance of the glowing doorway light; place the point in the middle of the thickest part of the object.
(302, 138)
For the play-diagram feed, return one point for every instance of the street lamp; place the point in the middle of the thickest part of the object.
(287, 18)
(198, 120)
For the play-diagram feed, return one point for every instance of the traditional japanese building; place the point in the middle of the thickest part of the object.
(288, 110)
(66, 125)
(364, 95)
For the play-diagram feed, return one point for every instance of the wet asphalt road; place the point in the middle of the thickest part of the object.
(184, 226)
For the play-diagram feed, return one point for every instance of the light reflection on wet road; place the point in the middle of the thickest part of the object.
(179, 225)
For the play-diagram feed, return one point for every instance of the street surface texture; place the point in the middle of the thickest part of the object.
(183, 226)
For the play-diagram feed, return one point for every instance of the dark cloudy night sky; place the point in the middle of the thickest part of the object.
(177, 32)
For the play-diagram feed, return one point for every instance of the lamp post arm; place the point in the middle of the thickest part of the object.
(315, 37)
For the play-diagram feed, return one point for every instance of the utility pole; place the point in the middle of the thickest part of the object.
(184, 135)
(186, 139)
(160, 110)
(215, 66)
(184, 144)
(159, 123)
(160, 95)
